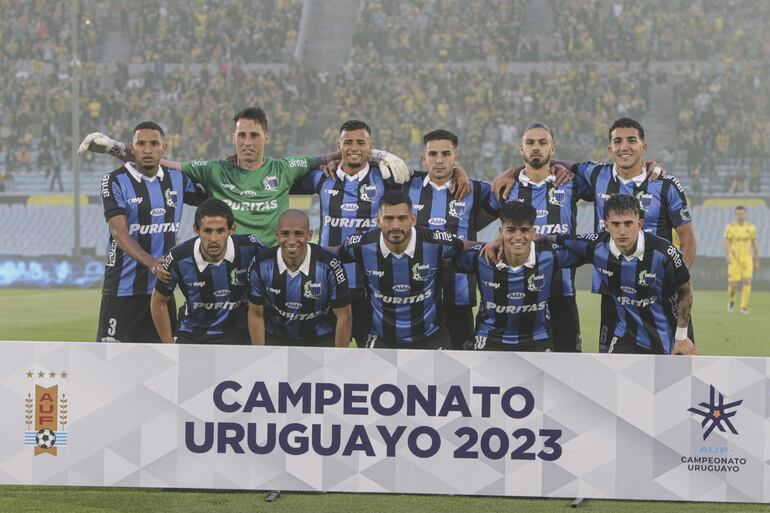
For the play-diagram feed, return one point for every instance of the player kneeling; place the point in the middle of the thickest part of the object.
(211, 270)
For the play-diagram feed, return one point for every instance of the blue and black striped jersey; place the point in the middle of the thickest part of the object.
(556, 215)
(514, 300)
(153, 210)
(298, 305)
(405, 290)
(437, 209)
(663, 201)
(348, 205)
(215, 293)
(644, 286)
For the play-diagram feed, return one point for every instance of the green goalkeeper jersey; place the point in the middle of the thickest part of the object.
(257, 197)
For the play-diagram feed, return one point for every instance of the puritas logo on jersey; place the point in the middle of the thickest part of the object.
(46, 413)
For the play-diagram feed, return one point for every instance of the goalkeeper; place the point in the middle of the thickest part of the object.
(254, 186)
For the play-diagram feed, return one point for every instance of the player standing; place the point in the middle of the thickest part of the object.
(740, 243)
(143, 207)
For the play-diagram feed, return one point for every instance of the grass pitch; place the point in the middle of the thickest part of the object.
(71, 315)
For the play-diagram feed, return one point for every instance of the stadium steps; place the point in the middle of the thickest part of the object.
(538, 23)
(317, 48)
(118, 45)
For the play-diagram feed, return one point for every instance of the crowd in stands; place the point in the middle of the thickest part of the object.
(237, 31)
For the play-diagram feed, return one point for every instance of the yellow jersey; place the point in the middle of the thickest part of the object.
(740, 237)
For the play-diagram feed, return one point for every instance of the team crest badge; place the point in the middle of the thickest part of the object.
(171, 197)
(535, 283)
(556, 196)
(645, 200)
(367, 192)
(46, 414)
(270, 183)
(647, 279)
(420, 272)
(312, 290)
(456, 208)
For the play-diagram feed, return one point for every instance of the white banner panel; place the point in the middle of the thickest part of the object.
(445, 422)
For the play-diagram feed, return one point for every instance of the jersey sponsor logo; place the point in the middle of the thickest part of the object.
(339, 271)
(440, 235)
(353, 239)
(217, 305)
(605, 272)
(273, 291)
(106, 186)
(479, 342)
(604, 196)
(171, 198)
(515, 309)
(331, 192)
(542, 213)
(248, 194)
(228, 186)
(456, 208)
(349, 207)
(548, 229)
(645, 200)
(627, 289)
(344, 222)
(221, 293)
(198, 163)
(157, 211)
(640, 303)
(312, 290)
(516, 295)
(675, 255)
(420, 272)
(135, 201)
(556, 197)
(408, 300)
(535, 282)
(675, 182)
(254, 239)
(112, 254)
(293, 305)
(257, 206)
(491, 284)
(367, 192)
(437, 220)
(196, 284)
(270, 183)
(647, 279)
(149, 229)
(373, 272)
(401, 288)
(167, 261)
(684, 213)
(417, 206)
(602, 226)
(297, 162)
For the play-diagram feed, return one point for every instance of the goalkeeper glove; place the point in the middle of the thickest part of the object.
(390, 165)
(100, 143)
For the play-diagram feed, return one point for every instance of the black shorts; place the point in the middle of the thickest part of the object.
(565, 324)
(539, 346)
(459, 322)
(438, 340)
(128, 319)
(231, 338)
(281, 339)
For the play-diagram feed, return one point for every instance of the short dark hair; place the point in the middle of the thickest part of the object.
(256, 114)
(627, 123)
(148, 125)
(538, 124)
(440, 135)
(391, 198)
(355, 124)
(740, 207)
(622, 204)
(214, 208)
(517, 213)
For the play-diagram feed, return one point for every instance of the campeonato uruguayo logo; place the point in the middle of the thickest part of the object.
(46, 411)
(716, 414)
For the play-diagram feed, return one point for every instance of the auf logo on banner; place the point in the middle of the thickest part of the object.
(46, 412)
(716, 414)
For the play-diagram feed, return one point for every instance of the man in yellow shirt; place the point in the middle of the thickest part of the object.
(742, 254)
